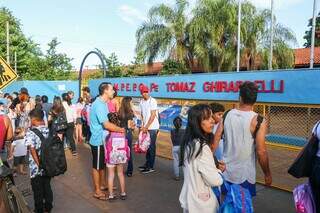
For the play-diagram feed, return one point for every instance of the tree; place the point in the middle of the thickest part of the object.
(213, 34)
(171, 67)
(59, 65)
(164, 33)
(114, 67)
(307, 35)
(27, 51)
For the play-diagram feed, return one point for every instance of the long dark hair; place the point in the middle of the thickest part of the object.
(125, 110)
(57, 107)
(177, 123)
(194, 132)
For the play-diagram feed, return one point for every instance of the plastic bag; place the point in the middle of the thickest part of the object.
(237, 200)
(143, 143)
(303, 199)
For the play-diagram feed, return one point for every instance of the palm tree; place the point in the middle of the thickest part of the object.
(164, 33)
(256, 39)
(213, 34)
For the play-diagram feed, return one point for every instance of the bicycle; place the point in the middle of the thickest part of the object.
(11, 199)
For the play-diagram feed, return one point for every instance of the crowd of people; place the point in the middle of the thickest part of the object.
(216, 147)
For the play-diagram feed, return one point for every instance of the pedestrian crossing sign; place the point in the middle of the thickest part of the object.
(7, 74)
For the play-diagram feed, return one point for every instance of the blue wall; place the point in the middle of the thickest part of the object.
(49, 88)
(299, 86)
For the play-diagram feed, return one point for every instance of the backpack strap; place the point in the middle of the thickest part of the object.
(38, 133)
(223, 119)
(259, 122)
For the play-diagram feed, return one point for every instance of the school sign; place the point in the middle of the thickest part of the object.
(287, 86)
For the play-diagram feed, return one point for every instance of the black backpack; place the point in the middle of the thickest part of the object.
(59, 123)
(52, 158)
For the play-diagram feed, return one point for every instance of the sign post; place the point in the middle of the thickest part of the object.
(7, 74)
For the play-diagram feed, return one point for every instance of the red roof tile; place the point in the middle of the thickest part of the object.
(302, 56)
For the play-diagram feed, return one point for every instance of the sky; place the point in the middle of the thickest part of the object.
(110, 25)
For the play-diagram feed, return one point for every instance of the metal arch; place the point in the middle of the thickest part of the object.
(82, 64)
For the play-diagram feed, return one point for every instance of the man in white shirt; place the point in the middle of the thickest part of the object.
(315, 175)
(71, 117)
(150, 123)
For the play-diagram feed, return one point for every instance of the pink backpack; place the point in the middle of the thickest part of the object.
(143, 143)
(117, 149)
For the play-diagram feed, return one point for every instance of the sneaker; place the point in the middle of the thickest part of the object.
(129, 174)
(112, 198)
(147, 171)
(141, 168)
(123, 196)
(177, 178)
(74, 153)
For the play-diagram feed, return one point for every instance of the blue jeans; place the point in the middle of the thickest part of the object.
(130, 162)
(151, 153)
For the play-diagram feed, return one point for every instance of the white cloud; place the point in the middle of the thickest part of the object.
(278, 4)
(130, 14)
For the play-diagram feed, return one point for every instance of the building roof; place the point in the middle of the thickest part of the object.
(302, 56)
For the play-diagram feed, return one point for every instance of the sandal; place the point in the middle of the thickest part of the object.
(100, 197)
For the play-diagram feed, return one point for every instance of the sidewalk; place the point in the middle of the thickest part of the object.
(156, 192)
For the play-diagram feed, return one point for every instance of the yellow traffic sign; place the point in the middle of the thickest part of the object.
(7, 74)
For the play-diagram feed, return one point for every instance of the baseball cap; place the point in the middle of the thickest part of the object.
(144, 89)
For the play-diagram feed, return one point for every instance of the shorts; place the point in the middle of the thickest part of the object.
(98, 157)
(79, 121)
(19, 160)
(110, 165)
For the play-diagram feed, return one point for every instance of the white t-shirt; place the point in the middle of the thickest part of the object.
(20, 148)
(146, 106)
(70, 112)
(316, 130)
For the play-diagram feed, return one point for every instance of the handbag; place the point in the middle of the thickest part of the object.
(302, 165)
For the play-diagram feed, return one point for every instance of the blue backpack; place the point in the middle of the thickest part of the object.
(238, 200)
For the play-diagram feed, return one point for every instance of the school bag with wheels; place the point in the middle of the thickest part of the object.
(143, 143)
(117, 149)
(303, 199)
(237, 200)
(52, 157)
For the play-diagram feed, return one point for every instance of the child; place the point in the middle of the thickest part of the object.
(19, 151)
(42, 192)
(217, 114)
(176, 138)
(114, 118)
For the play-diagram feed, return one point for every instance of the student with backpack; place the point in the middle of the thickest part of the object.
(177, 135)
(244, 134)
(126, 116)
(57, 120)
(117, 154)
(42, 192)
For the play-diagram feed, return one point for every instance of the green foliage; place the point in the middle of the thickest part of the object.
(115, 69)
(171, 67)
(307, 35)
(32, 64)
(208, 35)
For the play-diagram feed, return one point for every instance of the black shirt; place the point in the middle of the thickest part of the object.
(177, 136)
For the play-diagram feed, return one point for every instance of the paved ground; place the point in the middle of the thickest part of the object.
(156, 193)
